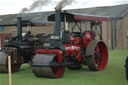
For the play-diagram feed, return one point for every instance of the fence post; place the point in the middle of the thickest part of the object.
(9, 70)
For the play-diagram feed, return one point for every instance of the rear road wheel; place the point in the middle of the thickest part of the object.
(97, 55)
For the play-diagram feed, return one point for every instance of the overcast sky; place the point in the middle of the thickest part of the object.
(15, 6)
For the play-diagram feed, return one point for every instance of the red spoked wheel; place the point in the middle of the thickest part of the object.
(58, 71)
(97, 55)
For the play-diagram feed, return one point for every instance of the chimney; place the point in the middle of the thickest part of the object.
(58, 22)
(19, 28)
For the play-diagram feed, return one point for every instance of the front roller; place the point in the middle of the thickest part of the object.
(43, 65)
(15, 65)
(97, 55)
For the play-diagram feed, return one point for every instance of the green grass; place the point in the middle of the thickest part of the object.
(114, 74)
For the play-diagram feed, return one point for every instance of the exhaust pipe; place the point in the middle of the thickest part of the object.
(19, 28)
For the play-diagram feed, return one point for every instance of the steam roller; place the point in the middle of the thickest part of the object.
(71, 49)
(15, 61)
(20, 47)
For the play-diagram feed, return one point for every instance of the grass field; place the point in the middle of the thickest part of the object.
(114, 74)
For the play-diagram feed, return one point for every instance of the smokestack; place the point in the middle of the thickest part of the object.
(58, 8)
(58, 22)
(19, 28)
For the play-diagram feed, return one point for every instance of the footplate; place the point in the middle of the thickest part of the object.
(46, 70)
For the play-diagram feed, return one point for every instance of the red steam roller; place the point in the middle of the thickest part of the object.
(71, 46)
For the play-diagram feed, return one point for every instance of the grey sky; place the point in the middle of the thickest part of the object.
(15, 6)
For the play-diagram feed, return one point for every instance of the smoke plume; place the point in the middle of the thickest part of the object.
(36, 4)
(63, 3)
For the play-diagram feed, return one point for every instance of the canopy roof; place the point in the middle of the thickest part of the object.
(78, 17)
